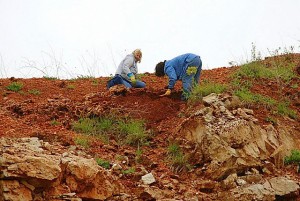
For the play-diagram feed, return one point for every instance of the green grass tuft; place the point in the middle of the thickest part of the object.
(82, 141)
(131, 132)
(15, 86)
(103, 163)
(34, 92)
(177, 158)
(204, 89)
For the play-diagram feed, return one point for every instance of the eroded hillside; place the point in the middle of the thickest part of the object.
(228, 143)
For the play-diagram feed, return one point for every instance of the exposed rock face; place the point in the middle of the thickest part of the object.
(230, 141)
(277, 186)
(31, 168)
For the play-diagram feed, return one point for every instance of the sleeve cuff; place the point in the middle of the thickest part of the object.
(130, 74)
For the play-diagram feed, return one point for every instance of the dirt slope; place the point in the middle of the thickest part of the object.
(25, 114)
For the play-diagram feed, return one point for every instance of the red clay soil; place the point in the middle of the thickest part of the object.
(25, 114)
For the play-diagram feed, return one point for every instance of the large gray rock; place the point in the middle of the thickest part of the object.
(28, 163)
(229, 140)
(277, 186)
(283, 186)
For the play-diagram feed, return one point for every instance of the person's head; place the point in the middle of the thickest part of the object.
(159, 69)
(137, 55)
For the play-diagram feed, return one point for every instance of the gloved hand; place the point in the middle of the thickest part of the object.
(168, 93)
(133, 80)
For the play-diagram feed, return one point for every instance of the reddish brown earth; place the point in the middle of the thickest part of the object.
(24, 114)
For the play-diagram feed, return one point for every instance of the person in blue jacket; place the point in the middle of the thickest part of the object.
(186, 67)
(127, 70)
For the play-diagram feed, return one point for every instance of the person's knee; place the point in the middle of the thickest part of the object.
(140, 84)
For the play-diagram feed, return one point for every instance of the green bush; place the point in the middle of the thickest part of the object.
(15, 86)
(294, 157)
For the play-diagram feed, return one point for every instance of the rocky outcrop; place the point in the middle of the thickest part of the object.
(226, 139)
(35, 170)
(269, 190)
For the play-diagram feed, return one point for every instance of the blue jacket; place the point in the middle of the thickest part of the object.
(176, 68)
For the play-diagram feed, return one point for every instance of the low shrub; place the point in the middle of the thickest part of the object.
(15, 86)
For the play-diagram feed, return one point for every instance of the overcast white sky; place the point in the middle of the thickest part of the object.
(68, 38)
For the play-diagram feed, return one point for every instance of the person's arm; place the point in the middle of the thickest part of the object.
(170, 72)
(128, 62)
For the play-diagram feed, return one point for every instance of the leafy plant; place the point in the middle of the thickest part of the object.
(103, 163)
(128, 171)
(294, 157)
(191, 70)
(15, 86)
